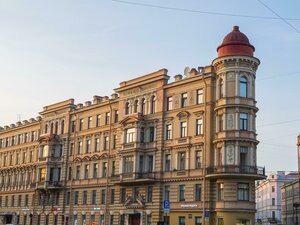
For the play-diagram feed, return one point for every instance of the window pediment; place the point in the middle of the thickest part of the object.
(131, 119)
(183, 115)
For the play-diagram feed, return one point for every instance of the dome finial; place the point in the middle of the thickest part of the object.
(236, 28)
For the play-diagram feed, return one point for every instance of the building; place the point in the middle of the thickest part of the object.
(115, 160)
(268, 197)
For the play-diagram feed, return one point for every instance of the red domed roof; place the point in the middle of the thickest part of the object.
(235, 43)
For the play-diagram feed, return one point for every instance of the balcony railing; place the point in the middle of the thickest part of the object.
(240, 169)
(133, 177)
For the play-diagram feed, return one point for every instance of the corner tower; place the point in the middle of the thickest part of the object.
(233, 170)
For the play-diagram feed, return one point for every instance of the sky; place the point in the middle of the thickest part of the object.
(55, 50)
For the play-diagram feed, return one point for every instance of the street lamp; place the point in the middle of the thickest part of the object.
(296, 205)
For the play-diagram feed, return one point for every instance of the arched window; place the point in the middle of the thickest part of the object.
(127, 108)
(243, 87)
(51, 129)
(221, 86)
(62, 127)
(143, 106)
(56, 127)
(46, 128)
(135, 106)
(153, 100)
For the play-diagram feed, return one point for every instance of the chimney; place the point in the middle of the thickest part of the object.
(97, 99)
(178, 77)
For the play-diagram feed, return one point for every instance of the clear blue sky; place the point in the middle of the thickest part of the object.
(55, 50)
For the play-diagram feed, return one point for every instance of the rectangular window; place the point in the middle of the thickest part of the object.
(77, 172)
(169, 103)
(183, 100)
(243, 121)
(150, 163)
(107, 118)
(149, 193)
(149, 220)
(122, 195)
(198, 220)
(151, 134)
(98, 119)
(106, 143)
(135, 193)
(95, 170)
(97, 145)
(198, 159)
(73, 126)
(197, 192)
(88, 146)
(167, 162)
(26, 200)
(94, 196)
(112, 196)
(181, 161)
(86, 171)
(181, 193)
(199, 96)
(104, 169)
(19, 200)
(273, 201)
(167, 193)
(220, 191)
(83, 219)
(273, 188)
(79, 147)
(199, 126)
(243, 192)
(81, 124)
(142, 139)
(113, 168)
(168, 131)
(181, 220)
(12, 200)
(128, 164)
(116, 119)
(90, 120)
(68, 198)
(76, 196)
(183, 129)
(71, 149)
(84, 197)
(114, 144)
(103, 196)
(129, 135)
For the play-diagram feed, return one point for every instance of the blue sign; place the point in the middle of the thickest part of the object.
(166, 206)
(206, 215)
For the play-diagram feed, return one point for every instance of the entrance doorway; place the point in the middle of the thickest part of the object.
(8, 219)
(135, 219)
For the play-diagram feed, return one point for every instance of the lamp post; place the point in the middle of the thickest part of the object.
(296, 205)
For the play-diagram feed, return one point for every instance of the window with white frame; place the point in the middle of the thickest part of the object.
(243, 87)
(198, 158)
(183, 129)
(169, 103)
(199, 126)
(168, 131)
(181, 160)
(243, 121)
(199, 96)
(243, 191)
(129, 135)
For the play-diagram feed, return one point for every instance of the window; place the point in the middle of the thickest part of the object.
(243, 192)
(98, 119)
(12, 200)
(135, 106)
(71, 149)
(103, 196)
(79, 147)
(181, 193)
(127, 108)
(77, 172)
(104, 169)
(83, 219)
(197, 192)
(198, 220)
(6, 201)
(181, 220)
(19, 200)
(56, 127)
(97, 144)
(169, 103)
(181, 161)
(68, 197)
(220, 191)
(111, 219)
(221, 84)
(183, 129)
(149, 193)
(183, 100)
(273, 188)
(114, 144)
(167, 162)
(62, 127)
(116, 119)
(167, 193)
(129, 135)
(72, 126)
(199, 96)
(24, 157)
(135, 193)
(243, 87)
(86, 171)
(220, 221)
(243, 121)
(128, 164)
(151, 134)
(113, 168)
(81, 124)
(95, 170)
(106, 143)
(168, 131)
(149, 220)
(107, 118)
(87, 146)
(90, 120)
(199, 126)
(143, 106)
(75, 219)
(70, 173)
(198, 159)
(94, 195)
(84, 197)
(26, 200)
(142, 138)
(152, 104)
(112, 196)
(273, 201)
(76, 195)
(122, 195)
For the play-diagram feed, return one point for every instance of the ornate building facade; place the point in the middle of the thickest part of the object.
(115, 160)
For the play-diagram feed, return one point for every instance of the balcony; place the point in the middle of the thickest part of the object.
(234, 170)
(48, 185)
(130, 178)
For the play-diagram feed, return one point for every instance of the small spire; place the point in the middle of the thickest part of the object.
(236, 28)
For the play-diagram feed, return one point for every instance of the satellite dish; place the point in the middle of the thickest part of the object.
(187, 71)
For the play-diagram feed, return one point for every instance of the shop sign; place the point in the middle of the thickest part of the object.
(189, 206)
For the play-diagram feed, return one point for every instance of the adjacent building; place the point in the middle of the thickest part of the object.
(290, 203)
(190, 142)
(268, 197)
